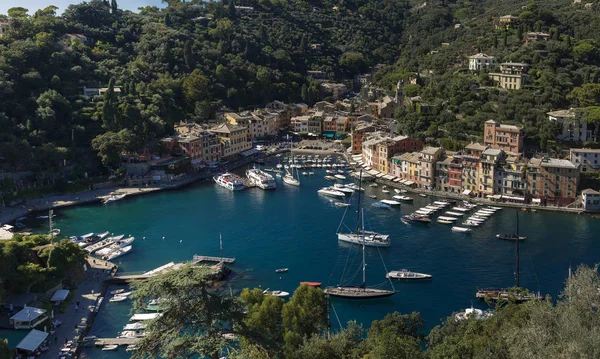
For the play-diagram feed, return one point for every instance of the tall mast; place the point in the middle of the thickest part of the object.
(358, 211)
(364, 265)
(518, 240)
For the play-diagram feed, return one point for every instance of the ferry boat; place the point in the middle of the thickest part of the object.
(230, 181)
(260, 178)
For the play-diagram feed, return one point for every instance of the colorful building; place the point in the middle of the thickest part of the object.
(508, 138)
(552, 181)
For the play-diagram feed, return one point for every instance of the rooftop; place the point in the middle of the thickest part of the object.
(227, 128)
(28, 314)
(585, 150)
(551, 162)
(562, 113)
(514, 64)
(511, 128)
(589, 191)
(476, 147)
(430, 150)
(481, 55)
(492, 152)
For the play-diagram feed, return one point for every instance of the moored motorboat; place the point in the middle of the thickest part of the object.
(510, 237)
(260, 179)
(331, 192)
(113, 198)
(312, 284)
(381, 205)
(408, 275)
(342, 204)
(443, 221)
(281, 270)
(275, 293)
(110, 347)
(415, 219)
(390, 202)
(340, 177)
(461, 229)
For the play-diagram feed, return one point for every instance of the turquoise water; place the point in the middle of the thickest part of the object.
(295, 228)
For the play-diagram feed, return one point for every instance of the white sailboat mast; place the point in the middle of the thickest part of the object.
(364, 264)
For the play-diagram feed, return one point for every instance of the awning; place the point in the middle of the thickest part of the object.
(467, 192)
(357, 157)
(33, 340)
(28, 314)
(373, 172)
(495, 196)
(398, 180)
(513, 198)
(360, 162)
(329, 135)
(536, 200)
(380, 175)
(388, 177)
(60, 295)
(409, 183)
(402, 181)
(249, 152)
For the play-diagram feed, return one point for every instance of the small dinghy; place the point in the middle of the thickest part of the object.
(281, 270)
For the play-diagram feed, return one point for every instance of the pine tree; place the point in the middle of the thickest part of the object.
(188, 55)
(109, 108)
(304, 93)
(520, 33)
(505, 40)
(569, 41)
(303, 44)
(495, 41)
(132, 90)
(168, 21)
(231, 9)
(113, 6)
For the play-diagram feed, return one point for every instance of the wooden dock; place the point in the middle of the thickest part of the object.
(199, 259)
(118, 341)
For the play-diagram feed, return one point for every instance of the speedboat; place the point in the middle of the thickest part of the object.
(330, 178)
(117, 291)
(385, 191)
(415, 219)
(380, 205)
(510, 237)
(110, 347)
(403, 198)
(117, 298)
(331, 192)
(118, 253)
(372, 196)
(390, 202)
(461, 229)
(443, 221)
(472, 313)
(276, 293)
(373, 185)
(342, 188)
(397, 190)
(408, 275)
(341, 204)
(340, 177)
(422, 195)
(281, 270)
(114, 198)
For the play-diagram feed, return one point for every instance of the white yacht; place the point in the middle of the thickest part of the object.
(408, 275)
(118, 253)
(230, 181)
(260, 178)
(369, 238)
(331, 192)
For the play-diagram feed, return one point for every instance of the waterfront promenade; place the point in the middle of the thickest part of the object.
(74, 321)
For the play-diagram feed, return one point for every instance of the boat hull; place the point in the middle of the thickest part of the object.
(370, 240)
(358, 293)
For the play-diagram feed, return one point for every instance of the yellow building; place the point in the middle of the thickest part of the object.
(234, 139)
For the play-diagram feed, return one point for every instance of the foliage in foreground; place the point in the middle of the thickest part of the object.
(32, 264)
(196, 317)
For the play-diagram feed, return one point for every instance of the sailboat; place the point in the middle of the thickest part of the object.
(289, 174)
(516, 293)
(360, 291)
(368, 238)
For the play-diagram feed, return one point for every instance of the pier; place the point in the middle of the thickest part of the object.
(118, 341)
(199, 259)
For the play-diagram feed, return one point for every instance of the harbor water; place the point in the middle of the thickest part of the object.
(294, 227)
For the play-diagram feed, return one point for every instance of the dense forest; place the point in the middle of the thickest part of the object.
(183, 62)
(198, 321)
